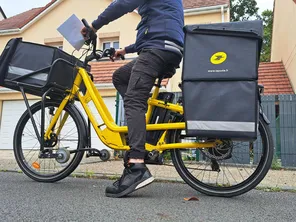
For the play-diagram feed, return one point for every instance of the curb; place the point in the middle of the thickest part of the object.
(113, 176)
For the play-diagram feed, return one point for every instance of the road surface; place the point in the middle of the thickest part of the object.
(77, 199)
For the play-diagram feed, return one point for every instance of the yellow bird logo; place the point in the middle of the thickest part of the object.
(218, 58)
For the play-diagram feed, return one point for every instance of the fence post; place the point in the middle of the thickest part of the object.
(288, 129)
(268, 107)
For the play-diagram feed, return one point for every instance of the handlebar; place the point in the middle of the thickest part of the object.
(98, 54)
(90, 35)
(91, 38)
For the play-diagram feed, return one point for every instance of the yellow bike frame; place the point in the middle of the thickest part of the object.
(113, 135)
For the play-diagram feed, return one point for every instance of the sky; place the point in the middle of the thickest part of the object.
(13, 7)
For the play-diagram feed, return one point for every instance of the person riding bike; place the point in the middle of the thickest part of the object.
(159, 46)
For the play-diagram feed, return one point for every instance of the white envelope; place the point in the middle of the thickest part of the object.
(70, 30)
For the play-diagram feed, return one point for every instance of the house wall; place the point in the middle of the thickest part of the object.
(44, 31)
(283, 40)
(191, 20)
(205, 18)
(124, 28)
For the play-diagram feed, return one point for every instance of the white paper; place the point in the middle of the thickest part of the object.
(71, 31)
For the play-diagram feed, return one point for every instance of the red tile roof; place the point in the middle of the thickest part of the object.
(274, 78)
(203, 3)
(20, 20)
(103, 71)
(272, 75)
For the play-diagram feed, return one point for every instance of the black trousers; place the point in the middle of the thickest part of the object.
(134, 82)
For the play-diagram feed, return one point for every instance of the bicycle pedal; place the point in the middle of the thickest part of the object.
(215, 166)
(93, 153)
(154, 157)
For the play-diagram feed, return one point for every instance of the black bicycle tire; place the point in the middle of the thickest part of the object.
(237, 190)
(74, 113)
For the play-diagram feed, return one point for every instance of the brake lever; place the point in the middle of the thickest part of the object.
(112, 53)
(87, 42)
(122, 57)
(111, 57)
(108, 53)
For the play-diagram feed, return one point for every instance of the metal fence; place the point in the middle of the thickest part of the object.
(287, 129)
(281, 112)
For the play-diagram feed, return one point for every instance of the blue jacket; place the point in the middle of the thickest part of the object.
(161, 25)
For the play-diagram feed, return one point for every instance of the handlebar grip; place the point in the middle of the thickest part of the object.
(85, 23)
(122, 57)
(90, 57)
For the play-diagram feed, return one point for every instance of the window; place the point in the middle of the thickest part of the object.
(116, 45)
(107, 45)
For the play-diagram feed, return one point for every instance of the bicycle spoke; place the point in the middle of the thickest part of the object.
(233, 170)
(30, 145)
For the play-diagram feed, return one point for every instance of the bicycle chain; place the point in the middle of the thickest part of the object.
(100, 161)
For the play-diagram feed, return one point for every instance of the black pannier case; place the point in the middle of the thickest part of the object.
(37, 68)
(220, 79)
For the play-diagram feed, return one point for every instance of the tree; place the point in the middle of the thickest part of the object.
(267, 17)
(241, 10)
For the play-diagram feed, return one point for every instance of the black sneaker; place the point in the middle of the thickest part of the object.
(134, 177)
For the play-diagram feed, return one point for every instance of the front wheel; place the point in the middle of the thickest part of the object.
(229, 169)
(59, 158)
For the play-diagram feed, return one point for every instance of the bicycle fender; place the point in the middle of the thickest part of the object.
(267, 121)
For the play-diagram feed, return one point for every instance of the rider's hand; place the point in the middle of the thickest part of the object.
(84, 31)
(118, 53)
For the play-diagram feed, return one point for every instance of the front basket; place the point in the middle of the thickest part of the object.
(37, 68)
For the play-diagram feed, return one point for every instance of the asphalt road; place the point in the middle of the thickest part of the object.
(76, 199)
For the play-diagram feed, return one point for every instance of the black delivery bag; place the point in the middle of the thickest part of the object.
(37, 68)
(220, 79)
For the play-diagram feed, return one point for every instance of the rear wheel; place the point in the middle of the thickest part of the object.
(229, 169)
(59, 158)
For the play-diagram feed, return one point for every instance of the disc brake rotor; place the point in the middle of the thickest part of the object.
(221, 151)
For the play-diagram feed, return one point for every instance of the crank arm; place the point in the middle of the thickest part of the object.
(91, 152)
